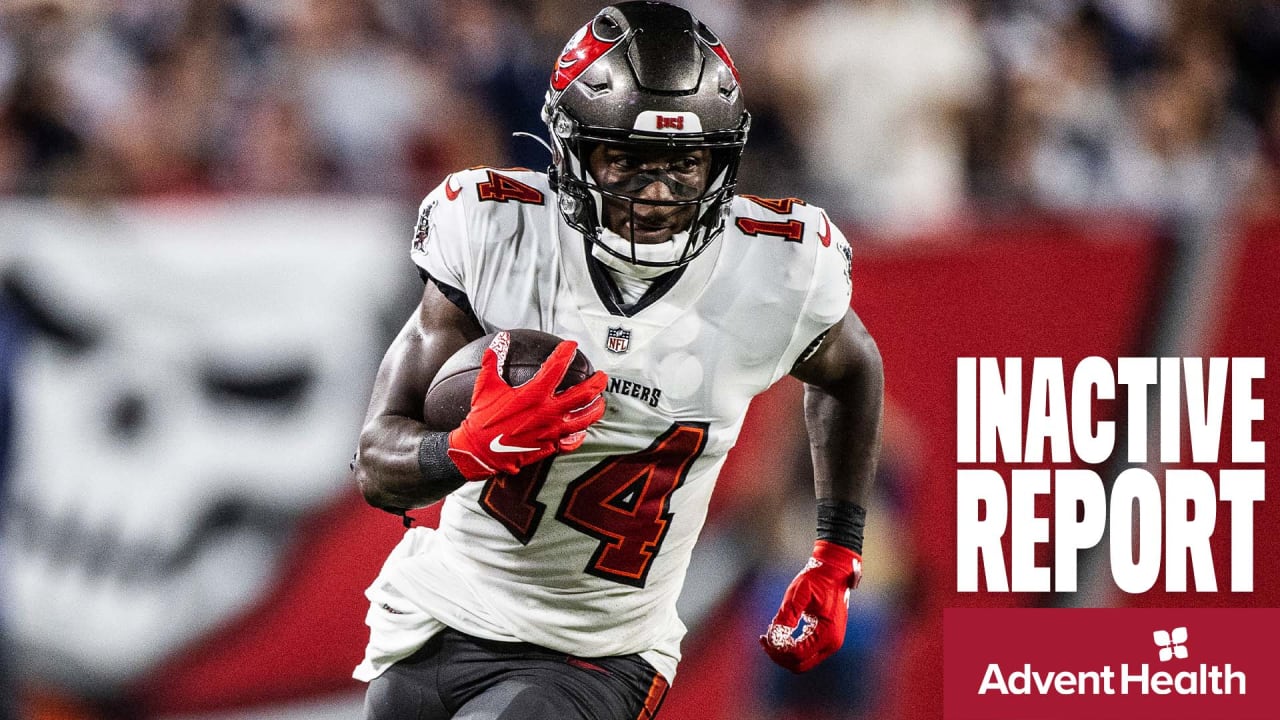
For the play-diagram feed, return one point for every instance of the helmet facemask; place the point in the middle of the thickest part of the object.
(584, 199)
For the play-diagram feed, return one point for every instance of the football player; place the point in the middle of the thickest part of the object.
(549, 588)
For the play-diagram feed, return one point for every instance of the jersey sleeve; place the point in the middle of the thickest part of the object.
(442, 244)
(830, 292)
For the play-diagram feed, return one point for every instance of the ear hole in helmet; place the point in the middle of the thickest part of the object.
(563, 125)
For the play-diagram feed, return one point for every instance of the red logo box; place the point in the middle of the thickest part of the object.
(1007, 664)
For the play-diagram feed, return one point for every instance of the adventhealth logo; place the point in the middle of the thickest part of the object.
(1128, 680)
(1173, 643)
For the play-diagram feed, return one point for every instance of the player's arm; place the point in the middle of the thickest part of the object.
(389, 464)
(843, 404)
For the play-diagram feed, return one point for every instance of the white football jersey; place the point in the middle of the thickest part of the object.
(585, 553)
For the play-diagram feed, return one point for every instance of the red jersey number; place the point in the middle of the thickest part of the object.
(789, 230)
(500, 188)
(624, 502)
(512, 500)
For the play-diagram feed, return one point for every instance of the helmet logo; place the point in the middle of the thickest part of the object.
(660, 121)
(582, 49)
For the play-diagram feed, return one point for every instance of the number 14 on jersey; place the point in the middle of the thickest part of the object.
(624, 502)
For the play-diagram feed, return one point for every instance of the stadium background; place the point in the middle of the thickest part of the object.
(205, 210)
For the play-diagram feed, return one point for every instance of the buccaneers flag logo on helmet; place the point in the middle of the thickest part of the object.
(584, 48)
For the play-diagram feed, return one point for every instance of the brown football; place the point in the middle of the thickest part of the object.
(448, 398)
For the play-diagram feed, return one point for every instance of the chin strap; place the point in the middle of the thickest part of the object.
(662, 252)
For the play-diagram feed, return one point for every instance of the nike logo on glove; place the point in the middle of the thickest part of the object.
(496, 446)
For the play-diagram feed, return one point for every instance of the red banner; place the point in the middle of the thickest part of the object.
(1170, 663)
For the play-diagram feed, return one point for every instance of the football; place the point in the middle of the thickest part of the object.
(448, 398)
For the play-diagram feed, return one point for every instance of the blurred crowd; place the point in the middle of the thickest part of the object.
(898, 115)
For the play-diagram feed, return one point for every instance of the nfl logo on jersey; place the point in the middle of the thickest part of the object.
(619, 340)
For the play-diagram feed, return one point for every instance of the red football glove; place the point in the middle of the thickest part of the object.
(510, 427)
(819, 596)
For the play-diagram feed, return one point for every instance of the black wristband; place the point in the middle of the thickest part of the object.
(434, 463)
(841, 522)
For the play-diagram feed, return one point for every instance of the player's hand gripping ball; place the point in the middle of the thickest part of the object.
(513, 398)
(810, 625)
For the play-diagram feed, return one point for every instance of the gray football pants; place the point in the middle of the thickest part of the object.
(461, 677)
